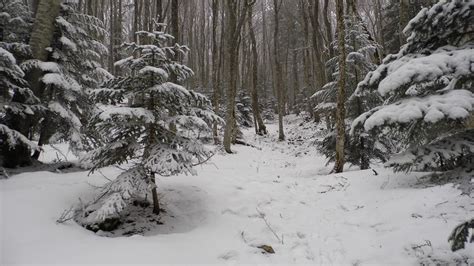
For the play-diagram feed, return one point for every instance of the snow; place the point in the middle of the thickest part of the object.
(60, 81)
(67, 42)
(66, 114)
(6, 55)
(129, 112)
(427, 68)
(170, 88)
(456, 104)
(14, 137)
(216, 217)
(154, 70)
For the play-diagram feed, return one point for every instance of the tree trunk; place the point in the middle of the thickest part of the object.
(320, 68)
(340, 112)
(215, 67)
(232, 52)
(154, 194)
(278, 70)
(327, 24)
(41, 38)
(235, 17)
(404, 19)
(259, 125)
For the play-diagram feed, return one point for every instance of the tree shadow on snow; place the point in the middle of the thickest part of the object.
(183, 209)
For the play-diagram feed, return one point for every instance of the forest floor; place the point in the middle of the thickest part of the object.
(280, 195)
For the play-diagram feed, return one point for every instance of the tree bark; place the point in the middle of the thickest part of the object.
(318, 55)
(278, 70)
(215, 67)
(340, 112)
(41, 38)
(232, 53)
(259, 125)
(404, 19)
(235, 17)
(327, 24)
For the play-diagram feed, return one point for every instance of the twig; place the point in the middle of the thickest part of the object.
(100, 172)
(262, 216)
(60, 152)
(5, 173)
(241, 142)
(66, 215)
(243, 237)
(426, 244)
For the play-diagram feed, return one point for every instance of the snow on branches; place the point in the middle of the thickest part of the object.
(427, 91)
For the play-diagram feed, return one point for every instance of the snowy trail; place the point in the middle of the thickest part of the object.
(216, 217)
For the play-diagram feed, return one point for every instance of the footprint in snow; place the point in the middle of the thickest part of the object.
(229, 255)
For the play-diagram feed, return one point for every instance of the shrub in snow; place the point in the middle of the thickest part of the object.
(244, 114)
(361, 50)
(154, 134)
(462, 234)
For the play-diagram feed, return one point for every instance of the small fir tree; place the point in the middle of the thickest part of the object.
(154, 134)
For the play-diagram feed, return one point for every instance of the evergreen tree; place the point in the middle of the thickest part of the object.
(360, 48)
(427, 92)
(18, 105)
(140, 133)
(244, 110)
(73, 70)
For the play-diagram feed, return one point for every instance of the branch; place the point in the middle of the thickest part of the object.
(262, 216)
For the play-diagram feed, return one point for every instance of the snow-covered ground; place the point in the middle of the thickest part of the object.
(281, 195)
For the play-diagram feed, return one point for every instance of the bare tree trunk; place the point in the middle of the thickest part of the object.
(404, 19)
(159, 11)
(232, 52)
(235, 17)
(341, 111)
(41, 38)
(320, 69)
(259, 125)
(215, 67)
(111, 37)
(327, 24)
(278, 71)
(175, 22)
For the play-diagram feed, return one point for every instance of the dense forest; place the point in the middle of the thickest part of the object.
(167, 117)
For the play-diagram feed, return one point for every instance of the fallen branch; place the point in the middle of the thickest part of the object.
(67, 215)
(262, 216)
(241, 142)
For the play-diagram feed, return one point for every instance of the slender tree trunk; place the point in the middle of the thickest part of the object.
(159, 11)
(235, 17)
(278, 70)
(215, 67)
(404, 19)
(341, 111)
(232, 52)
(41, 38)
(259, 125)
(327, 24)
(154, 194)
(381, 38)
(320, 68)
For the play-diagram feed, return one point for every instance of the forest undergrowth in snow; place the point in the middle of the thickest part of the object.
(277, 194)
